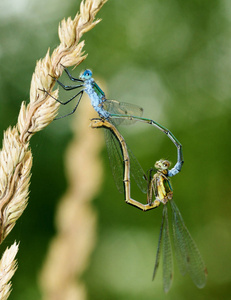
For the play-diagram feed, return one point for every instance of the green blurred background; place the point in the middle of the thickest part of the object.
(171, 57)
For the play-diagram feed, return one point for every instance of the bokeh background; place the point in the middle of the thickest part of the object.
(174, 59)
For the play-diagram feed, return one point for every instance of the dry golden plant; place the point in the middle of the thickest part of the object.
(8, 266)
(69, 251)
(15, 156)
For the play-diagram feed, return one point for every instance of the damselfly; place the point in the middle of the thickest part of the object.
(128, 165)
(159, 188)
(187, 254)
(116, 113)
(112, 110)
(102, 106)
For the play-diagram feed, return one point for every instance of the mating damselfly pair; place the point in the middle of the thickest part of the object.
(157, 186)
(160, 192)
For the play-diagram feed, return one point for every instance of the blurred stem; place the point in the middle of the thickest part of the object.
(69, 252)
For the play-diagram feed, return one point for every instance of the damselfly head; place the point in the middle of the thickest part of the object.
(162, 164)
(86, 74)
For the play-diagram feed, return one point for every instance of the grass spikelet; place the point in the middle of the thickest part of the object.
(8, 267)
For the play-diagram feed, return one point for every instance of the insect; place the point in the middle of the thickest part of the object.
(116, 113)
(128, 166)
(111, 110)
(159, 187)
(102, 106)
(187, 254)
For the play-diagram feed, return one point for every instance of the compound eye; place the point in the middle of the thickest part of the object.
(87, 74)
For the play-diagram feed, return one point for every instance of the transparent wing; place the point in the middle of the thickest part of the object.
(115, 158)
(122, 108)
(137, 172)
(167, 254)
(188, 256)
(117, 165)
(159, 246)
(179, 241)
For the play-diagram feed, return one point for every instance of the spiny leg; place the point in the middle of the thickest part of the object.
(70, 76)
(81, 94)
(64, 103)
(69, 87)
